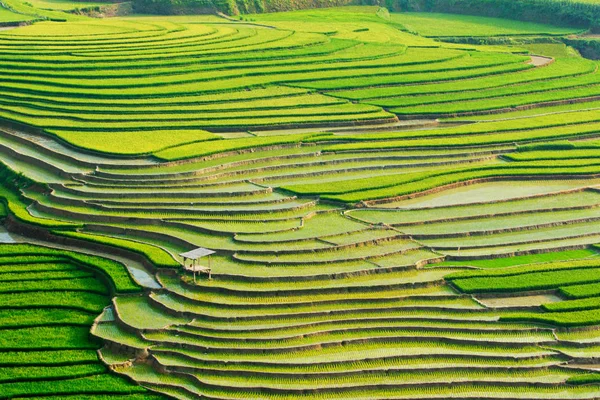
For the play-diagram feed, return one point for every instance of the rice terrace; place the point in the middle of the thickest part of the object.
(316, 199)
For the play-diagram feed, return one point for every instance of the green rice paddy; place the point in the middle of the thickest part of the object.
(402, 205)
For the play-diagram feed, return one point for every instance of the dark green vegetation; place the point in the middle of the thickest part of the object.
(579, 13)
(157, 256)
(47, 305)
(394, 216)
(115, 273)
(583, 13)
(230, 7)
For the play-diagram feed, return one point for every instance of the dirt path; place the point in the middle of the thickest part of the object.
(540, 61)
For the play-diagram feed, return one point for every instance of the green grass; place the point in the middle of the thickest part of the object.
(327, 255)
(554, 50)
(352, 191)
(497, 97)
(584, 263)
(484, 200)
(44, 336)
(223, 146)
(552, 155)
(566, 319)
(9, 17)
(581, 291)
(32, 12)
(584, 379)
(64, 5)
(544, 276)
(500, 102)
(133, 143)
(138, 313)
(587, 233)
(88, 302)
(114, 333)
(84, 284)
(17, 206)
(574, 305)
(393, 348)
(41, 338)
(364, 282)
(34, 373)
(15, 317)
(523, 260)
(588, 105)
(273, 311)
(100, 383)
(167, 359)
(565, 68)
(146, 83)
(536, 122)
(502, 224)
(271, 298)
(463, 70)
(317, 226)
(297, 383)
(156, 255)
(116, 272)
(44, 275)
(435, 25)
(48, 357)
(523, 282)
(183, 43)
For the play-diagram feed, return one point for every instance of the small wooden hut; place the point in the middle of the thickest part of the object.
(194, 265)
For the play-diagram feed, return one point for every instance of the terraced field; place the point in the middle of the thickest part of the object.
(358, 255)
(49, 300)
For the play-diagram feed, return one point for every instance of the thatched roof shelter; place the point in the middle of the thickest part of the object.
(194, 256)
